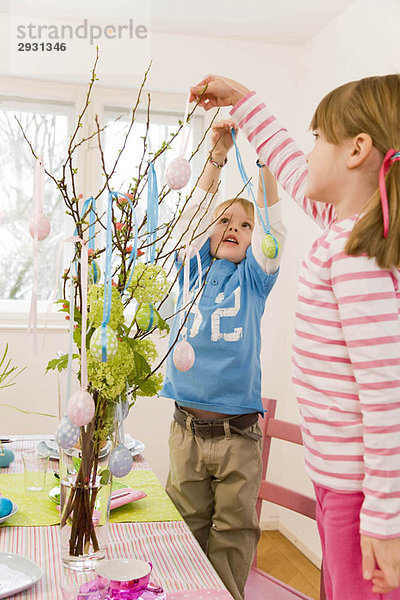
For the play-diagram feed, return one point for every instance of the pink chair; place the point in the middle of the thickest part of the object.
(261, 585)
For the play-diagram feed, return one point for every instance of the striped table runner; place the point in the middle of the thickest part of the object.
(178, 561)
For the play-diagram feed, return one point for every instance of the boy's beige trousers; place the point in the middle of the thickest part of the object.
(214, 484)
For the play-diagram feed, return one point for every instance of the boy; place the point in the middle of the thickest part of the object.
(215, 440)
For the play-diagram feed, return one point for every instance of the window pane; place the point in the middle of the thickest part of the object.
(162, 125)
(47, 128)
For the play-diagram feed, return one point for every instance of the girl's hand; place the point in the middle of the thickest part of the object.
(218, 91)
(221, 139)
(381, 563)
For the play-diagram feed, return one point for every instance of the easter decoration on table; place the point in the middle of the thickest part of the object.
(145, 315)
(6, 507)
(270, 245)
(178, 171)
(184, 355)
(123, 359)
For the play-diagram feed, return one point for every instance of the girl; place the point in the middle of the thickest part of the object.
(347, 338)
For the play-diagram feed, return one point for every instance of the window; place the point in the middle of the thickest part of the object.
(47, 127)
(162, 125)
(47, 123)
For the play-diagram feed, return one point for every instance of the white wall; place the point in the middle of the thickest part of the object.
(361, 41)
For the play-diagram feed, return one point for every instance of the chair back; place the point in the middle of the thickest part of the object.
(283, 496)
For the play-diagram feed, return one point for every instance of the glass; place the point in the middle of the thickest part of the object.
(35, 469)
(82, 585)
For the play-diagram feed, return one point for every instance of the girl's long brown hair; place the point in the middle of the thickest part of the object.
(370, 105)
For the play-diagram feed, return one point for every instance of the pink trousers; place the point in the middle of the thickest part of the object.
(338, 520)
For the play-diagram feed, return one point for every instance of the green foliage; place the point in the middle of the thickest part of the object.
(59, 363)
(149, 283)
(95, 303)
(7, 371)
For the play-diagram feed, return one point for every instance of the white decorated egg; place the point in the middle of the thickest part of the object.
(81, 408)
(67, 434)
(96, 343)
(178, 173)
(183, 356)
(41, 225)
(121, 461)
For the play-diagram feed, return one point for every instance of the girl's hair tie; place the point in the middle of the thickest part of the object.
(391, 156)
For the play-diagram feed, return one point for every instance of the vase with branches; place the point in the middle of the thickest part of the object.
(132, 369)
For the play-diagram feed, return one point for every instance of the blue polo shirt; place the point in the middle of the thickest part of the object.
(224, 331)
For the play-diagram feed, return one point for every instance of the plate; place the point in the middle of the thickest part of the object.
(17, 573)
(50, 447)
(2, 519)
(134, 446)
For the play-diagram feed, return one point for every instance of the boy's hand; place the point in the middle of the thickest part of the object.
(381, 563)
(215, 90)
(221, 139)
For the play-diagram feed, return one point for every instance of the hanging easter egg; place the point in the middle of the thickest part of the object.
(270, 246)
(183, 356)
(67, 434)
(94, 272)
(96, 343)
(81, 408)
(121, 461)
(6, 457)
(6, 507)
(178, 173)
(41, 225)
(145, 317)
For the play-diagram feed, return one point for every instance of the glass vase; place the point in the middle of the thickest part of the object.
(85, 488)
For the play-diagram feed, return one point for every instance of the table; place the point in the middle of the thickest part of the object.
(178, 561)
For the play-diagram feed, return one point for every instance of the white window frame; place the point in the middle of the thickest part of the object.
(14, 313)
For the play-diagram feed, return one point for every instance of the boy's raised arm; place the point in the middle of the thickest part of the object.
(196, 218)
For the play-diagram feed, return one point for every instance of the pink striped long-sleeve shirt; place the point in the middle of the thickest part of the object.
(346, 359)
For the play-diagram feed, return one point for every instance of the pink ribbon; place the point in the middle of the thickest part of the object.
(391, 156)
(37, 201)
(190, 250)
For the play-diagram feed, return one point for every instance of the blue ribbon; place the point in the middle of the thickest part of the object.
(152, 214)
(107, 281)
(249, 185)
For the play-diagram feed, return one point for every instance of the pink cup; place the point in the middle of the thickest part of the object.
(126, 578)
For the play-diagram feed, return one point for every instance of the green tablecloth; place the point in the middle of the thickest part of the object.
(36, 508)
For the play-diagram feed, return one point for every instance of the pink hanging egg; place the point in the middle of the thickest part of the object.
(42, 226)
(178, 173)
(183, 356)
(81, 408)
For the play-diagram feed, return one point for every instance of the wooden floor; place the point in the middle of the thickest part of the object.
(281, 559)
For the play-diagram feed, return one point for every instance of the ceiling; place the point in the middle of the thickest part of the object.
(290, 22)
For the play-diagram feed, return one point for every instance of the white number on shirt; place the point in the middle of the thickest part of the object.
(226, 312)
